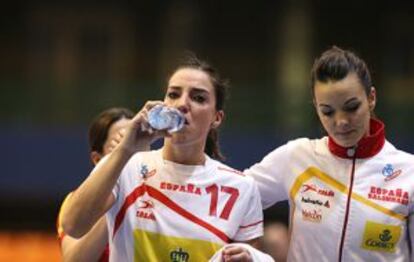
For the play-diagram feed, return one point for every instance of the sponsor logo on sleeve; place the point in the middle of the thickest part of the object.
(380, 237)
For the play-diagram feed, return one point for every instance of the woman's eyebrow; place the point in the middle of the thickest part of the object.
(352, 99)
(199, 90)
(323, 105)
(175, 87)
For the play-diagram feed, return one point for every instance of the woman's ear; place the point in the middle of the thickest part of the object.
(372, 98)
(218, 119)
(95, 157)
(314, 102)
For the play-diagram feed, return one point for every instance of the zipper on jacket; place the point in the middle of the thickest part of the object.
(348, 205)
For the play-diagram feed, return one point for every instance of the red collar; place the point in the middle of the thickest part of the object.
(368, 146)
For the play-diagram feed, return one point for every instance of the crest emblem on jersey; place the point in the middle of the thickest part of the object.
(390, 173)
(145, 173)
(380, 237)
(179, 255)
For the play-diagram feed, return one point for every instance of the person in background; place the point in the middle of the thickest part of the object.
(276, 240)
(93, 246)
(351, 193)
(177, 203)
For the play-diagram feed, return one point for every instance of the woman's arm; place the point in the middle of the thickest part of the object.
(269, 174)
(88, 248)
(256, 243)
(94, 196)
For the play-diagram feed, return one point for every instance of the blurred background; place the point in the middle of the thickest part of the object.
(63, 62)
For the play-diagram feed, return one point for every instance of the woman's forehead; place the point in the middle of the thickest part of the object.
(190, 77)
(342, 89)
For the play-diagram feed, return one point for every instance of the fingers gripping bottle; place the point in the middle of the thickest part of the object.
(166, 118)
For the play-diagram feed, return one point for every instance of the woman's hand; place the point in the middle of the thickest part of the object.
(236, 253)
(139, 135)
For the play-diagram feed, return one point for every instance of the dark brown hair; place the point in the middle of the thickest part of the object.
(221, 86)
(335, 64)
(99, 128)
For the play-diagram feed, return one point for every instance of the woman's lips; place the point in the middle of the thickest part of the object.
(345, 133)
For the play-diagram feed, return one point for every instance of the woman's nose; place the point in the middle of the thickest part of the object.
(341, 120)
(183, 104)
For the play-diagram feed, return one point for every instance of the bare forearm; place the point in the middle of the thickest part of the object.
(88, 248)
(256, 243)
(93, 198)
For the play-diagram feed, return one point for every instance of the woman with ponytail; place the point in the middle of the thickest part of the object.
(178, 203)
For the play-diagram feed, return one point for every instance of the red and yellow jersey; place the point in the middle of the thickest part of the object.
(165, 211)
(61, 234)
(346, 204)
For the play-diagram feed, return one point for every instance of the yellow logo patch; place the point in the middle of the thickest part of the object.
(380, 237)
(151, 246)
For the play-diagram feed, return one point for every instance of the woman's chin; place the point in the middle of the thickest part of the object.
(344, 142)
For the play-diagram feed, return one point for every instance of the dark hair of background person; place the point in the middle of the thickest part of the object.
(277, 213)
(99, 128)
(335, 64)
(221, 87)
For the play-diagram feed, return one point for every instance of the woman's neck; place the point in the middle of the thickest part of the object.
(186, 155)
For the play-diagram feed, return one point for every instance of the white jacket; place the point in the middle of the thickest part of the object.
(345, 204)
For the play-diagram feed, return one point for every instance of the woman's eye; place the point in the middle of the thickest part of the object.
(352, 108)
(172, 95)
(199, 98)
(327, 112)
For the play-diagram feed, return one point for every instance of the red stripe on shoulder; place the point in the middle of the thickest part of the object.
(234, 171)
(105, 255)
(251, 225)
(129, 200)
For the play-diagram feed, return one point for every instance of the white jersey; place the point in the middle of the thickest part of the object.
(342, 208)
(165, 211)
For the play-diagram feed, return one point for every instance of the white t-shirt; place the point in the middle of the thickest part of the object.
(165, 211)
